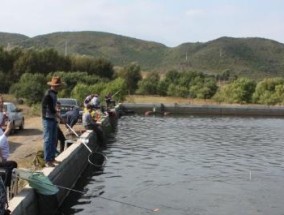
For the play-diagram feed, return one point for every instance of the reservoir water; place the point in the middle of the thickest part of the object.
(187, 165)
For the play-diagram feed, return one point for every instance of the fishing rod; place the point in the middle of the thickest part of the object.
(129, 204)
(77, 135)
(37, 181)
(116, 92)
(92, 155)
(49, 183)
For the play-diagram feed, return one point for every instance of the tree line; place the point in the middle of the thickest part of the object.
(25, 73)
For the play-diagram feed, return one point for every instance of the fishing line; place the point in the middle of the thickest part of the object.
(129, 204)
(70, 189)
(113, 200)
(82, 192)
(51, 185)
(93, 156)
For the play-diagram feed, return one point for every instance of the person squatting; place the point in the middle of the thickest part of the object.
(92, 115)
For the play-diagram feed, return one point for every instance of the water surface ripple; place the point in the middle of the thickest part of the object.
(193, 165)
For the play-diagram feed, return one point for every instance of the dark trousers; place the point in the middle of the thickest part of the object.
(8, 166)
(61, 138)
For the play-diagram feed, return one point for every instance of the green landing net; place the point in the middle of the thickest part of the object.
(39, 182)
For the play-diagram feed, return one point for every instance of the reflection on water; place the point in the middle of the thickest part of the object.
(194, 165)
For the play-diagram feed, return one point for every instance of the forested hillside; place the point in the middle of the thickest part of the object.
(9, 39)
(251, 57)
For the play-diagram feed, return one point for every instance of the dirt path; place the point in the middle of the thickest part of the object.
(24, 144)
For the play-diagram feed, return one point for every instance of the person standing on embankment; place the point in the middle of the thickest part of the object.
(49, 120)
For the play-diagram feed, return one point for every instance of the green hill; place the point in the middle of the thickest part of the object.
(253, 57)
(7, 39)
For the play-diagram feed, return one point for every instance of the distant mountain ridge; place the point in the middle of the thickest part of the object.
(6, 38)
(242, 56)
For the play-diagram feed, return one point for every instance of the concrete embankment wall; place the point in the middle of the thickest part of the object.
(235, 110)
(73, 163)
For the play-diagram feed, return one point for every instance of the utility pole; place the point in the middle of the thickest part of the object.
(8, 47)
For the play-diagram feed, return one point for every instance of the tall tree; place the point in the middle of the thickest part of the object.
(31, 87)
(102, 68)
(149, 85)
(132, 75)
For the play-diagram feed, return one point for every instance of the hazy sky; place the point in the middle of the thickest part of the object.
(170, 22)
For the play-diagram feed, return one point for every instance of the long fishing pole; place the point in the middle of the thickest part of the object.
(116, 92)
(82, 192)
(132, 205)
(70, 189)
(51, 185)
(113, 200)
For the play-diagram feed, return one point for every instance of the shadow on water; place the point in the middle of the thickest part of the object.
(73, 197)
(79, 198)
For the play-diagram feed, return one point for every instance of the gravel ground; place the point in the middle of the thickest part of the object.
(24, 144)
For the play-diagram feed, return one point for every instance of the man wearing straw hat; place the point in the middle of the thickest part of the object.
(49, 116)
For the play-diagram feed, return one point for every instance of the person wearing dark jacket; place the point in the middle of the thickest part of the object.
(72, 116)
(49, 120)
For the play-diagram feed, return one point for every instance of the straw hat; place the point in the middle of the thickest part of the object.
(55, 81)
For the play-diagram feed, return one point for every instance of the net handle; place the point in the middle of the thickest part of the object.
(78, 137)
(87, 146)
(105, 158)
